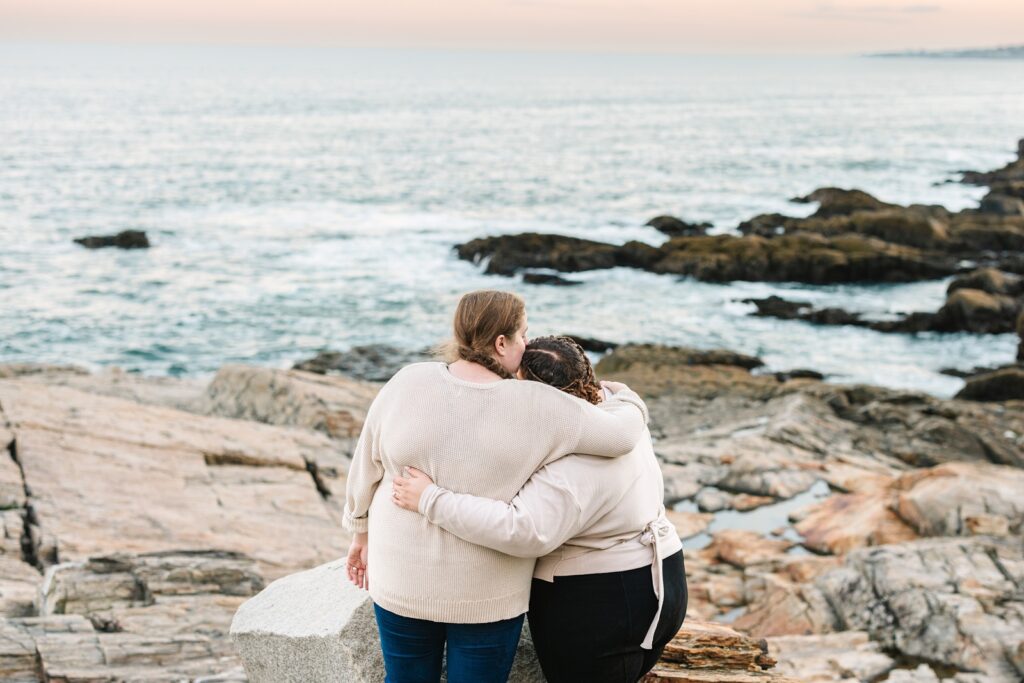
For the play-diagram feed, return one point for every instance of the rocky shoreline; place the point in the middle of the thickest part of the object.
(852, 237)
(141, 513)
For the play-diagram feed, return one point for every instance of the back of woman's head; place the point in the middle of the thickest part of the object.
(561, 363)
(480, 318)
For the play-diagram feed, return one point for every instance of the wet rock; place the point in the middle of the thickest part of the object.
(1004, 384)
(830, 657)
(675, 227)
(373, 363)
(952, 601)
(333, 405)
(548, 279)
(777, 307)
(767, 474)
(126, 239)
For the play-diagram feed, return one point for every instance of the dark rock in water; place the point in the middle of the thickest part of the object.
(964, 374)
(988, 280)
(1020, 333)
(375, 363)
(509, 254)
(834, 201)
(675, 227)
(127, 239)
(1004, 384)
(798, 374)
(548, 279)
(593, 345)
(911, 323)
(777, 307)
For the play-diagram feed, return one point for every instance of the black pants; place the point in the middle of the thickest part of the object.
(589, 627)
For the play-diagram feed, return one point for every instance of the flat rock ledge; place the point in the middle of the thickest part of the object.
(315, 626)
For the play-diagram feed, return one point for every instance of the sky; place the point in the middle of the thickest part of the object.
(680, 26)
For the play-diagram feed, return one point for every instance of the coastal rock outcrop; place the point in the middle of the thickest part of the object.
(984, 301)
(333, 405)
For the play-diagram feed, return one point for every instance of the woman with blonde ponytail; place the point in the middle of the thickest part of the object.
(472, 428)
(609, 587)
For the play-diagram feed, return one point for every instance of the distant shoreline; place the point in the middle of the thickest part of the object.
(1008, 52)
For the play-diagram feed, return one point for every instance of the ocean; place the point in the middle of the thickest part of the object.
(301, 199)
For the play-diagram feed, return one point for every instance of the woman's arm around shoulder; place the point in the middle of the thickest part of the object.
(542, 516)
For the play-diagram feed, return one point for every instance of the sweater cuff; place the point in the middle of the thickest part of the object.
(357, 525)
(427, 499)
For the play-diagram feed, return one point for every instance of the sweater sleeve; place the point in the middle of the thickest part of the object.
(542, 516)
(614, 427)
(364, 474)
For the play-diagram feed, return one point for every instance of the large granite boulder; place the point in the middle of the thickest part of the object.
(315, 626)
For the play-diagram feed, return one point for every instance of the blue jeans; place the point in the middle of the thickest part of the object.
(477, 653)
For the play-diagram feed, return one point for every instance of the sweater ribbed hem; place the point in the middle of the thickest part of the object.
(452, 611)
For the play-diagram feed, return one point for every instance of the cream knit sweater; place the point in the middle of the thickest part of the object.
(485, 439)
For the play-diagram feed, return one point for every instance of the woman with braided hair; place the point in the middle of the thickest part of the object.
(471, 427)
(609, 587)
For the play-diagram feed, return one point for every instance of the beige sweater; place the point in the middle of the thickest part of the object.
(486, 439)
(579, 515)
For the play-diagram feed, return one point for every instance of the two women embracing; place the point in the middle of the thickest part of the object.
(505, 481)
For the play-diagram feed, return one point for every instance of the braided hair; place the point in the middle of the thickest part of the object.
(561, 363)
(480, 318)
